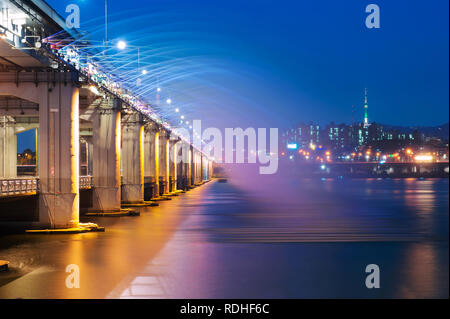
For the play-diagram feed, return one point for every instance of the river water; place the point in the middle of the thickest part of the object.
(253, 237)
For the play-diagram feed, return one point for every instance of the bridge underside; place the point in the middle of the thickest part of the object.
(85, 141)
(89, 142)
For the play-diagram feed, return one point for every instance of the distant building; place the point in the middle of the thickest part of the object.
(300, 137)
(366, 110)
(308, 141)
(339, 137)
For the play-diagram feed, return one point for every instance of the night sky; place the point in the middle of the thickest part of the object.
(277, 63)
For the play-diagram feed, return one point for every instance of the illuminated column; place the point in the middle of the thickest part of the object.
(202, 165)
(184, 153)
(106, 156)
(192, 165)
(59, 156)
(208, 170)
(164, 159)
(132, 159)
(188, 165)
(205, 168)
(197, 167)
(8, 148)
(180, 166)
(173, 164)
(211, 170)
(151, 158)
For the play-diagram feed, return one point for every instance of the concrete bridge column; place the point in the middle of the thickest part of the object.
(180, 166)
(58, 155)
(164, 168)
(205, 168)
(57, 95)
(151, 157)
(86, 151)
(211, 170)
(203, 165)
(106, 156)
(197, 168)
(8, 147)
(193, 165)
(187, 158)
(173, 163)
(132, 159)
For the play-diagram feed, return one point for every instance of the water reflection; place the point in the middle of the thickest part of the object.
(320, 242)
(420, 277)
(261, 237)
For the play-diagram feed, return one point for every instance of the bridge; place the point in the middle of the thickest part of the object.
(126, 146)
(372, 169)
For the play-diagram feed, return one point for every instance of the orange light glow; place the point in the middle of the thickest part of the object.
(423, 158)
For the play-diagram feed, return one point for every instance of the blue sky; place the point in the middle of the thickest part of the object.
(278, 63)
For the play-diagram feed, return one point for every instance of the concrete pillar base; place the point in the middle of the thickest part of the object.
(118, 213)
(149, 203)
(59, 210)
(105, 199)
(155, 190)
(163, 186)
(82, 228)
(172, 185)
(161, 198)
(132, 193)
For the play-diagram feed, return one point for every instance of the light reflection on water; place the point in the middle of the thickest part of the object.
(312, 239)
(258, 237)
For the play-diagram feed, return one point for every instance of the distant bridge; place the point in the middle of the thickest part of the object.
(126, 145)
(372, 169)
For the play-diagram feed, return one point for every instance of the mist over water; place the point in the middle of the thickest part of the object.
(255, 236)
(318, 209)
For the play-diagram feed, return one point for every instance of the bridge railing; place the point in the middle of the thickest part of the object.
(18, 186)
(86, 182)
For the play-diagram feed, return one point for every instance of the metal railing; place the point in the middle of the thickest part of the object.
(19, 186)
(86, 182)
